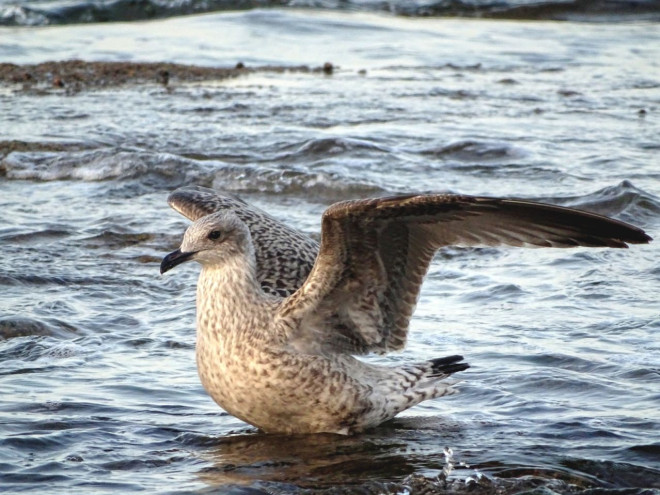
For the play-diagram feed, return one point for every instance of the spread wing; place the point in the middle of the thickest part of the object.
(284, 255)
(374, 254)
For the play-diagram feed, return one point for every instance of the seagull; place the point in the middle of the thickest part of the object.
(281, 319)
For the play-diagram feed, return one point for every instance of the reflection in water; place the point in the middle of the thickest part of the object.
(389, 453)
(406, 455)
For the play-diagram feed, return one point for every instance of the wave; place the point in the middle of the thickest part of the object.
(167, 171)
(86, 11)
(469, 151)
(21, 326)
(287, 173)
(624, 201)
(100, 165)
(77, 12)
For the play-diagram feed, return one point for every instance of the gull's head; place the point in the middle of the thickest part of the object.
(211, 240)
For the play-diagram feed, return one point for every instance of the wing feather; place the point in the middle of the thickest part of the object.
(374, 255)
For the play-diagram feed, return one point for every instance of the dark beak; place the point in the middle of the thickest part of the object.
(173, 259)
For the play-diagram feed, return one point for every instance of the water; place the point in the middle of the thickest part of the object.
(98, 379)
(43, 12)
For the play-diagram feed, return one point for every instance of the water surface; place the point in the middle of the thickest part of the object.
(99, 386)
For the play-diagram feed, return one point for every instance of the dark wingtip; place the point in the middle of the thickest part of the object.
(638, 236)
(645, 238)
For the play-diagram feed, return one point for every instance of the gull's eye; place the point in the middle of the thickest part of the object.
(214, 235)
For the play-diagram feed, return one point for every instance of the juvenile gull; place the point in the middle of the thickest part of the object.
(285, 256)
(286, 363)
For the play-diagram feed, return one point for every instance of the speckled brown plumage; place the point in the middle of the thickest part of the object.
(284, 255)
(285, 364)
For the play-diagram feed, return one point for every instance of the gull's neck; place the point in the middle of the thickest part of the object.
(222, 290)
(235, 280)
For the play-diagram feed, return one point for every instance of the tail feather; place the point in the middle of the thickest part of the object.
(411, 384)
(445, 366)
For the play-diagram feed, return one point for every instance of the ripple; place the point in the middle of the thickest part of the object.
(650, 449)
(567, 362)
(476, 151)
(57, 280)
(328, 146)
(13, 327)
(102, 165)
(617, 473)
(34, 237)
(30, 478)
(42, 443)
(624, 201)
(326, 186)
(116, 240)
(170, 171)
(86, 11)
(139, 464)
(499, 292)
